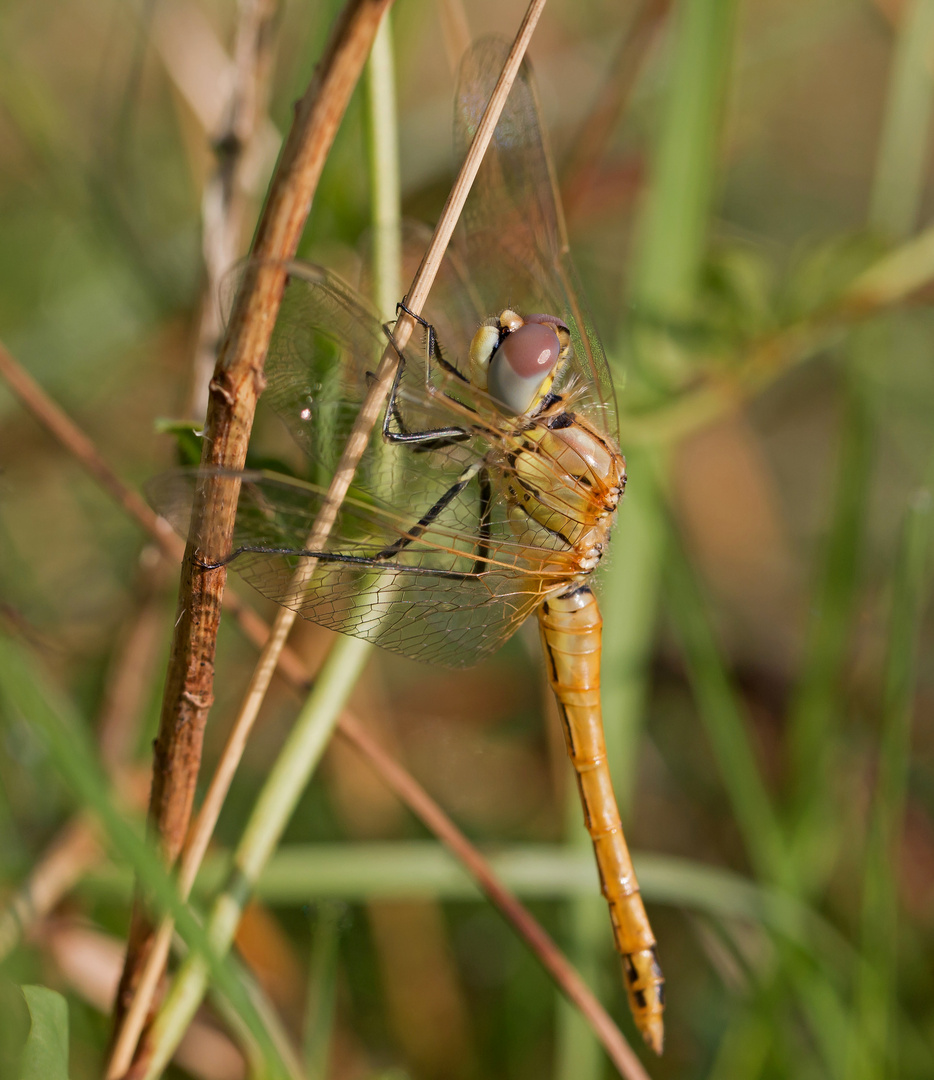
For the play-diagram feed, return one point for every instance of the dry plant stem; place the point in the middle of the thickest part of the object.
(236, 385)
(294, 670)
(223, 203)
(149, 971)
(553, 960)
(591, 141)
(80, 446)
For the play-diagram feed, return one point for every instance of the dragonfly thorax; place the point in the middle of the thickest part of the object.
(516, 359)
(563, 484)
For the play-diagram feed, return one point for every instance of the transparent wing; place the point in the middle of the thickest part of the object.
(438, 595)
(512, 238)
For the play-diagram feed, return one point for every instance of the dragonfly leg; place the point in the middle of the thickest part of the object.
(486, 513)
(432, 513)
(386, 554)
(202, 564)
(434, 348)
(437, 437)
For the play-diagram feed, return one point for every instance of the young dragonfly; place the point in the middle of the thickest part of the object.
(491, 486)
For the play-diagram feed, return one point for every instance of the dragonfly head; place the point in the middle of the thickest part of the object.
(516, 359)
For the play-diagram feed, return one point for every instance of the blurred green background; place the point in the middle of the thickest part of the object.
(749, 229)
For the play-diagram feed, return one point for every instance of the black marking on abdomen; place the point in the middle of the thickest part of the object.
(575, 590)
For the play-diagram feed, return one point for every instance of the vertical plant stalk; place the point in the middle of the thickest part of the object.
(672, 234)
(321, 998)
(385, 183)
(198, 839)
(895, 202)
(674, 231)
(236, 385)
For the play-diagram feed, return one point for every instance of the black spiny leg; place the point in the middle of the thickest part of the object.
(434, 349)
(431, 438)
(486, 513)
(430, 515)
(387, 554)
(437, 437)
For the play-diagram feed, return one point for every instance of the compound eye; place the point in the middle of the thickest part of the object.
(519, 367)
(559, 326)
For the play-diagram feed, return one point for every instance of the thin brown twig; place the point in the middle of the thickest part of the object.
(55, 420)
(223, 212)
(235, 388)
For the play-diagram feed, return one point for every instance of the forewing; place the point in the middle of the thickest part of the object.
(512, 235)
(438, 597)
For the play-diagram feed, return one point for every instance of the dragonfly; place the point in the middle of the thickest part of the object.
(488, 491)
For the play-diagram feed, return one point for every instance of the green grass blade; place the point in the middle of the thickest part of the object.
(385, 183)
(322, 991)
(873, 1046)
(816, 710)
(901, 163)
(674, 230)
(724, 722)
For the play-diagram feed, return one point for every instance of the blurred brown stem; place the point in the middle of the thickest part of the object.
(627, 63)
(223, 203)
